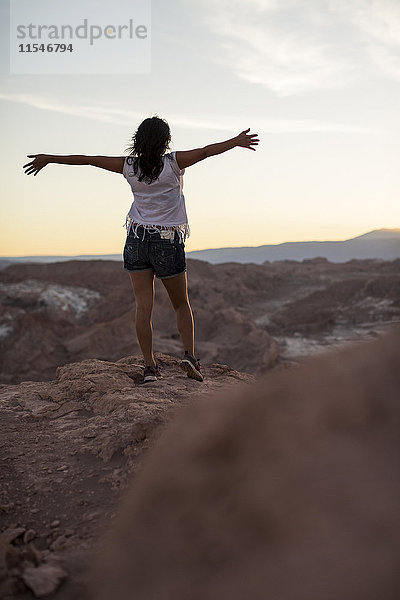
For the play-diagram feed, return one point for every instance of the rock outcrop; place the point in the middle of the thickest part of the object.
(68, 448)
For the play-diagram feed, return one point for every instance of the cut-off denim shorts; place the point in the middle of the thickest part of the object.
(150, 251)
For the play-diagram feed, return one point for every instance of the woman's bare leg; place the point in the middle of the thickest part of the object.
(143, 288)
(177, 291)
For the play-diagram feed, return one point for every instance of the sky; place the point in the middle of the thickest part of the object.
(317, 80)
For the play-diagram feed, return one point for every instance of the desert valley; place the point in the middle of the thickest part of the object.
(250, 317)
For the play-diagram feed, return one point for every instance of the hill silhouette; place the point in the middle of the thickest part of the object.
(383, 244)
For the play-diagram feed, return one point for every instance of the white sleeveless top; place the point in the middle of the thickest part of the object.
(160, 204)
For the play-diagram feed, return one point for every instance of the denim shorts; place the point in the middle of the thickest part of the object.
(163, 256)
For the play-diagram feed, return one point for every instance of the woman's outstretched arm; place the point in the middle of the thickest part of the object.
(187, 158)
(110, 163)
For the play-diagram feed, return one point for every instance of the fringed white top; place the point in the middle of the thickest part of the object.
(159, 205)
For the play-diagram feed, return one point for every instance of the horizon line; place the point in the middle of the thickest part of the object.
(394, 229)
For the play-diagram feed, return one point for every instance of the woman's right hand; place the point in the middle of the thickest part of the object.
(40, 161)
(247, 140)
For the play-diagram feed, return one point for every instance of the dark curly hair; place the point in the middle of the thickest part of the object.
(149, 143)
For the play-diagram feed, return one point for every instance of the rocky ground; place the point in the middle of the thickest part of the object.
(248, 316)
(68, 448)
(329, 305)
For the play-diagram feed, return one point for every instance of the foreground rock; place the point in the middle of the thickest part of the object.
(68, 448)
(288, 490)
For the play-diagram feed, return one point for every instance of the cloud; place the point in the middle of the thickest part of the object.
(379, 23)
(225, 122)
(292, 46)
(104, 114)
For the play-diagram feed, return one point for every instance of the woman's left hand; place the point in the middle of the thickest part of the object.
(247, 140)
(40, 161)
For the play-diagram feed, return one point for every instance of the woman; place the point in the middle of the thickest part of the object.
(157, 225)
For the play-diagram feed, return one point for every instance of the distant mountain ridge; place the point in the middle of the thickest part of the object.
(380, 234)
(383, 244)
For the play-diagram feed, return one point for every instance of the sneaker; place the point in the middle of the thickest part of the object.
(151, 373)
(191, 366)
